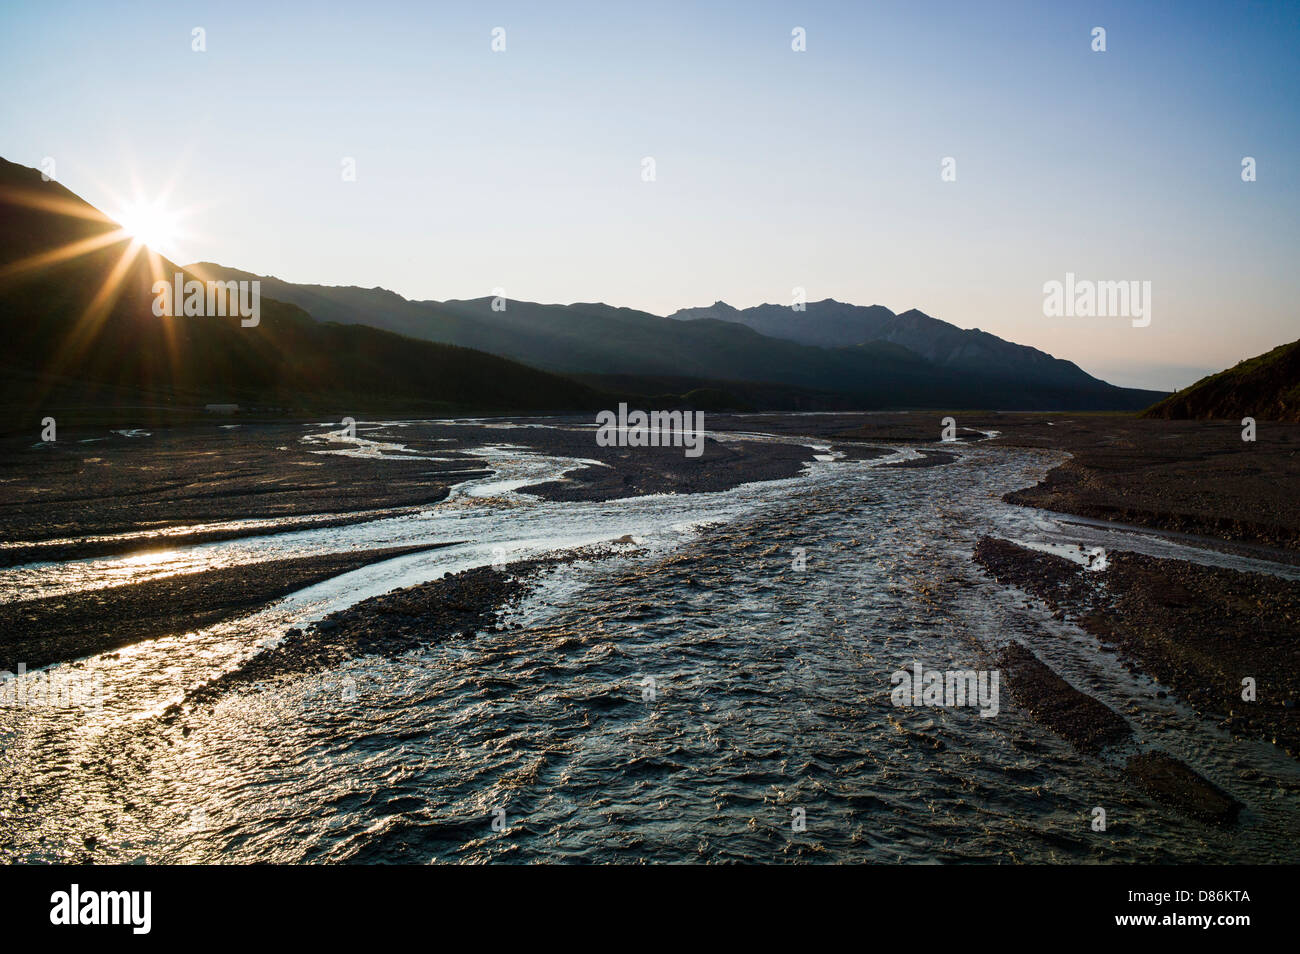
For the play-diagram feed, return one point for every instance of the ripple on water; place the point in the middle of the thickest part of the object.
(685, 702)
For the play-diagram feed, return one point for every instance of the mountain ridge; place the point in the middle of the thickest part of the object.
(831, 323)
(76, 303)
(594, 338)
(1265, 387)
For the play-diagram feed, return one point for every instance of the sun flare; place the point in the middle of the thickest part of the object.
(148, 223)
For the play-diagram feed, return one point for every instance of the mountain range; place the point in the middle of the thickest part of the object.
(834, 324)
(862, 357)
(81, 331)
(77, 310)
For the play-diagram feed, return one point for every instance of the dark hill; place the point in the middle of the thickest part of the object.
(835, 324)
(1266, 387)
(593, 339)
(80, 332)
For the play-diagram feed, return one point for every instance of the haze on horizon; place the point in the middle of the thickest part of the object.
(774, 169)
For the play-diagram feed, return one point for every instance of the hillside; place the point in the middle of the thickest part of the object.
(597, 339)
(77, 307)
(1266, 387)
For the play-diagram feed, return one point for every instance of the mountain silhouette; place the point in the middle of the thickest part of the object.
(77, 307)
(834, 324)
(76, 298)
(934, 365)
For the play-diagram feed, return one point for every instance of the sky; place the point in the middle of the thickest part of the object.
(774, 169)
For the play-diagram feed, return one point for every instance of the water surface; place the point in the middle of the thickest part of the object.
(681, 702)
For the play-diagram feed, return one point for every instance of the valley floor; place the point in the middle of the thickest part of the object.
(114, 540)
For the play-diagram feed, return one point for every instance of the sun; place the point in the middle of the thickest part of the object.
(149, 224)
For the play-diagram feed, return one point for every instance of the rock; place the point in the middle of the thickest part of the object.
(1075, 716)
(1170, 781)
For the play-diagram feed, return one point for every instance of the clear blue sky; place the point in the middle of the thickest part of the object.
(775, 169)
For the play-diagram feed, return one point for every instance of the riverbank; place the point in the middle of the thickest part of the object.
(95, 493)
(137, 486)
(414, 617)
(1214, 636)
(1194, 477)
(71, 626)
